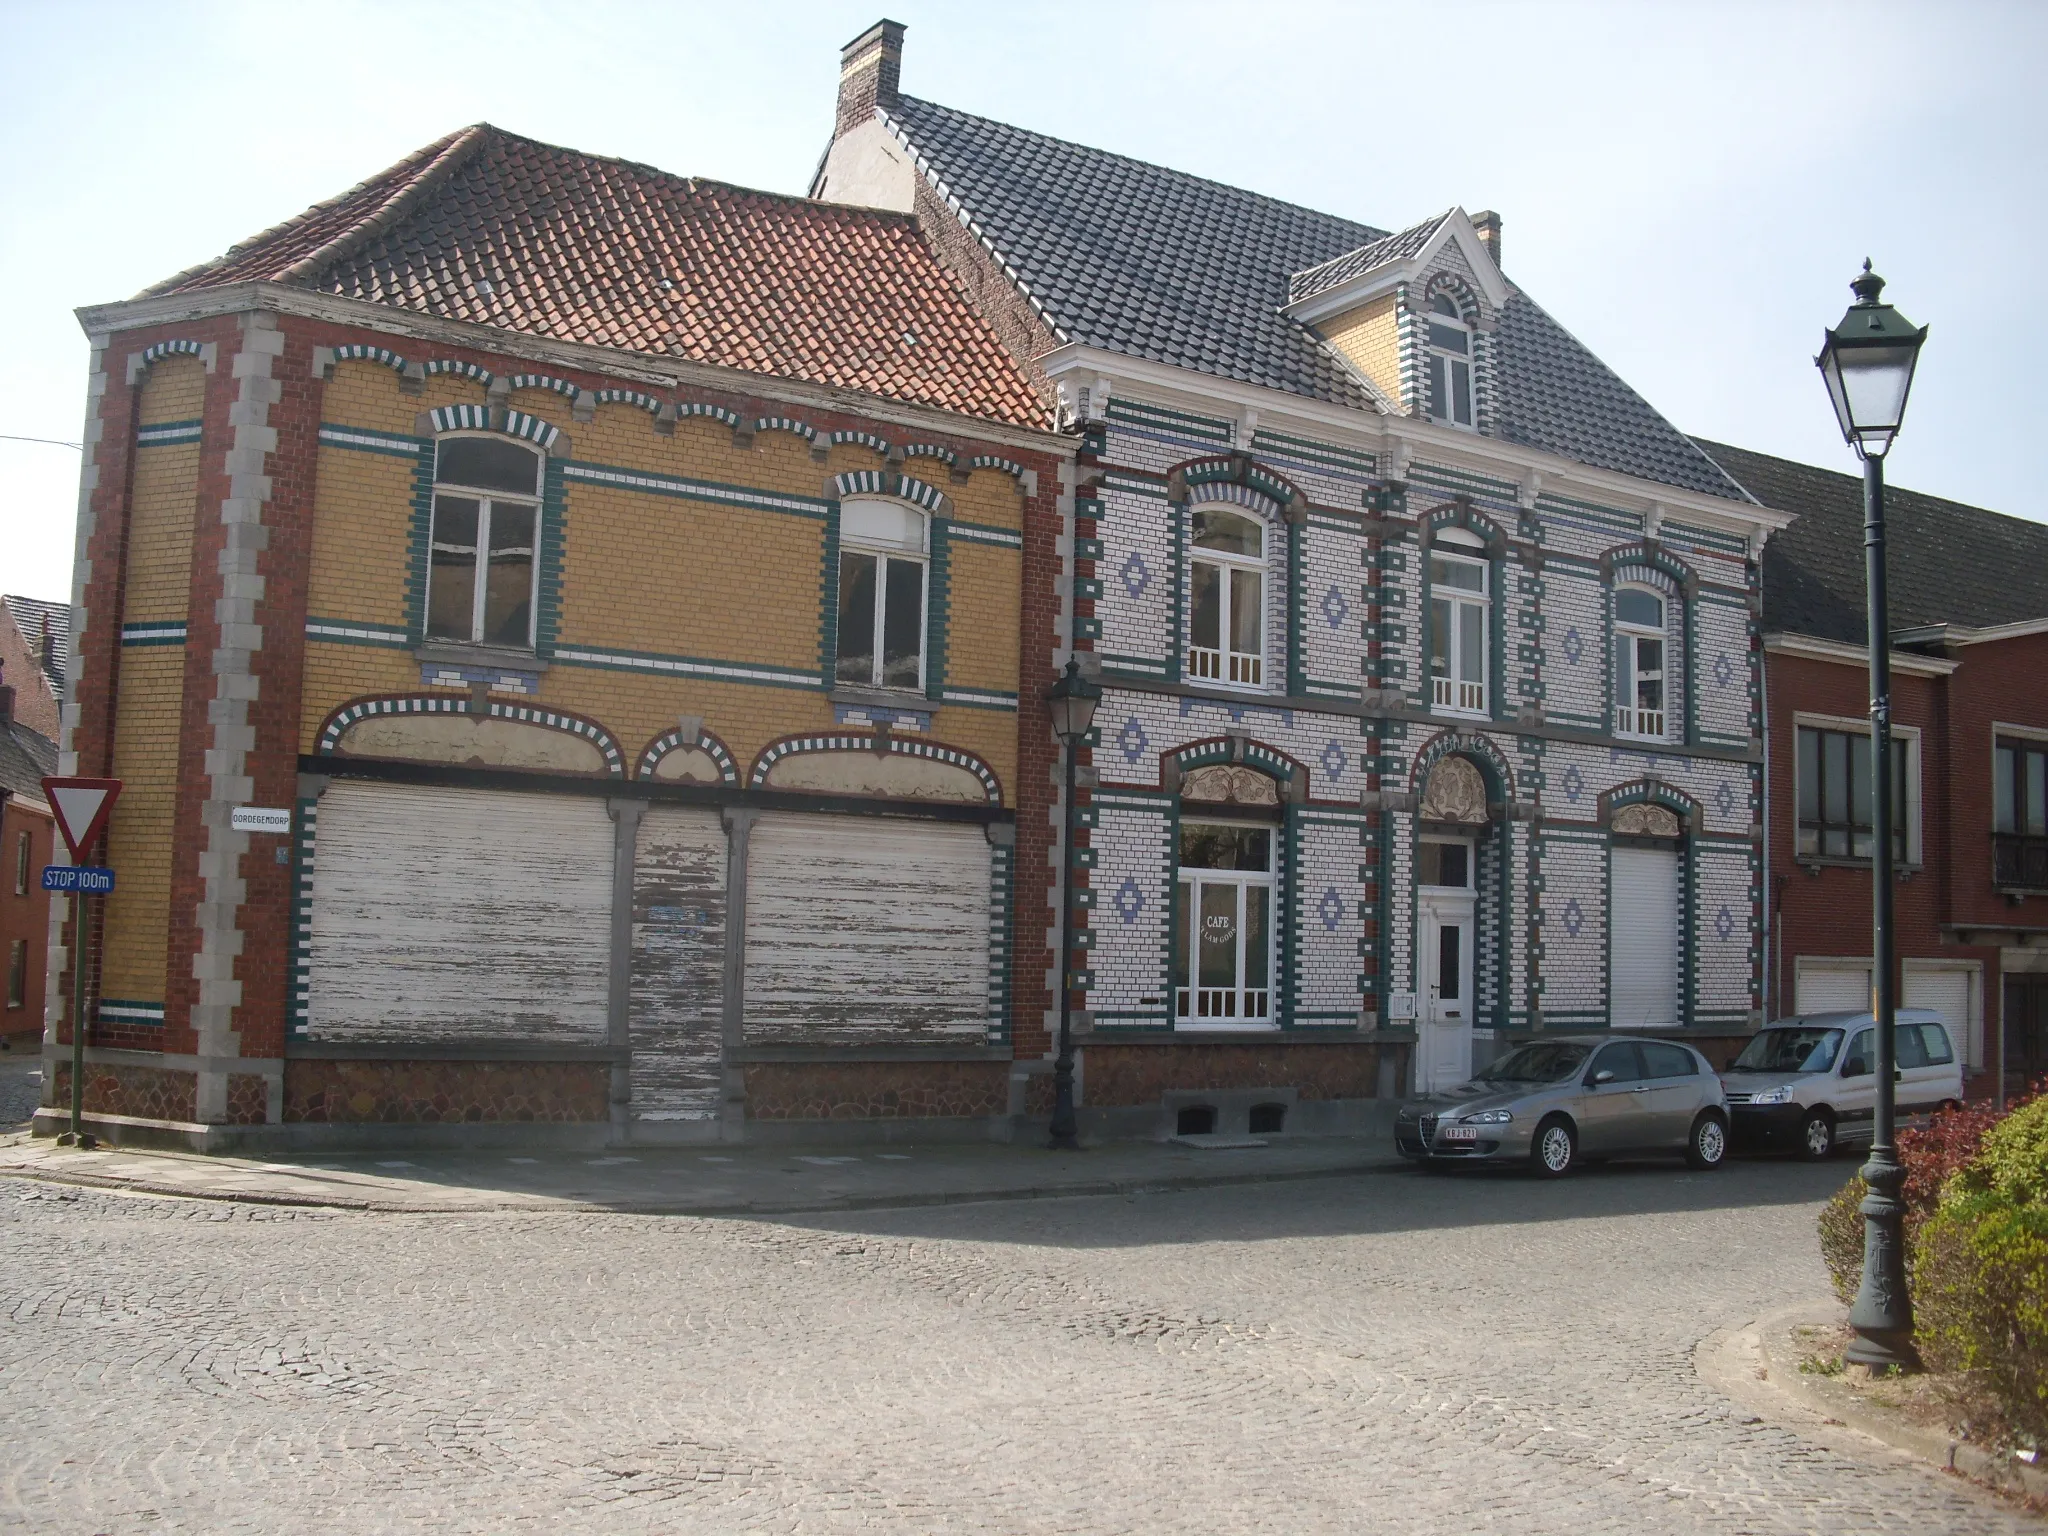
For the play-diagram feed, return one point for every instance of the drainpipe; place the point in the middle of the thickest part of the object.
(1770, 894)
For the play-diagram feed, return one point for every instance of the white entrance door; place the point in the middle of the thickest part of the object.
(1444, 995)
(1643, 940)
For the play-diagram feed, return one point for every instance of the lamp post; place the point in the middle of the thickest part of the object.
(1868, 362)
(1072, 702)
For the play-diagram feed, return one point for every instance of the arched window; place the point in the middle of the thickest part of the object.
(1639, 655)
(884, 548)
(480, 579)
(1227, 599)
(1450, 363)
(1458, 601)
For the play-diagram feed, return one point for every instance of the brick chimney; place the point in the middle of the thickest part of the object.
(1486, 225)
(870, 68)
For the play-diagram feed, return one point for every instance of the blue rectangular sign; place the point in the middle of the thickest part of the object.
(85, 879)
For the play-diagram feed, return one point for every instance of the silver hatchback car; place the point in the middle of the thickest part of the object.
(1555, 1102)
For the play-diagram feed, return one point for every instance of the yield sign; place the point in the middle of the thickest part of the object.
(81, 806)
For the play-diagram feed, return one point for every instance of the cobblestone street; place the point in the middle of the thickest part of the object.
(1387, 1352)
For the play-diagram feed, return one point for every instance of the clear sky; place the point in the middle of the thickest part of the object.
(1688, 187)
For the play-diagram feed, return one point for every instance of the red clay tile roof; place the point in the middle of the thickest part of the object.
(487, 227)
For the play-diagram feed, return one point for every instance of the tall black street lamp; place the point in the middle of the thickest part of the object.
(1072, 701)
(1868, 361)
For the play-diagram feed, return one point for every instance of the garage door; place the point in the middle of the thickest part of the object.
(458, 915)
(1947, 993)
(1833, 986)
(862, 930)
(678, 965)
(1643, 948)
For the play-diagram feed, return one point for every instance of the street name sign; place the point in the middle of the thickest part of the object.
(82, 806)
(81, 879)
(259, 818)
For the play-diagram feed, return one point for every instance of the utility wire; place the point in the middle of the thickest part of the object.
(52, 441)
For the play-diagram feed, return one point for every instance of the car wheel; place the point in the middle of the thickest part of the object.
(1817, 1136)
(1555, 1149)
(1708, 1145)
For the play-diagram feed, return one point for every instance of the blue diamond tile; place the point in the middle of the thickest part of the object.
(1574, 647)
(1331, 909)
(1574, 783)
(1724, 670)
(1335, 609)
(1132, 740)
(1136, 577)
(1724, 797)
(1334, 759)
(1724, 923)
(1574, 917)
(1129, 901)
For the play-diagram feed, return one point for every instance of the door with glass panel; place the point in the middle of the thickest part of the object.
(1457, 629)
(1445, 902)
(1223, 919)
(1227, 598)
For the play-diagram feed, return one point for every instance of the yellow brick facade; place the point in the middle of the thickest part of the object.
(657, 575)
(1369, 338)
(139, 843)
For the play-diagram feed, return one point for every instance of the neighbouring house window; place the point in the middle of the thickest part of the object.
(1227, 599)
(1639, 652)
(2020, 811)
(480, 581)
(21, 863)
(1450, 363)
(1457, 624)
(1223, 914)
(17, 973)
(883, 550)
(1836, 820)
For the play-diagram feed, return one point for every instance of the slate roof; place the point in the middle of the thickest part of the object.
(1315, 280)
(30, 615)
(1949, 563)
(1154, 263)
(25, 757)
(488, 227)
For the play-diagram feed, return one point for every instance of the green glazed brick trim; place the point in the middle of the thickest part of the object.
(363, 440)
(1307, 451)
(348, 632)
(696, 490)
(420, 538)
(1087, 549)
(764, 674)
(1136, 485)
(164, 434)
(1002, 944)
(303, 843)
(1159, 418)
(938, 608)
(828, 600)
(554, 533)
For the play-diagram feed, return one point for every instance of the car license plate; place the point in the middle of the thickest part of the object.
(1461, 1133)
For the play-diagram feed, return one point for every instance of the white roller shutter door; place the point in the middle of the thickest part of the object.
(1833, 986)
(678, 965)
(1946, 993)
(455, 915)
(863, 930)
(1643, 944)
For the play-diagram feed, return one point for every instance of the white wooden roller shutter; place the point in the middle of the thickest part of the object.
(1833, 986)
(1947, 993)
(678, 965)
(862, 930)
(1643, 956)
(453, 915)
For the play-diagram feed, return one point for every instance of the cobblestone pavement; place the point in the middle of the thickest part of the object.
(21, 1089)
(1391, 1352)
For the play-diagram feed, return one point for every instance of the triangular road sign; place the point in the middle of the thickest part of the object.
(81, 806)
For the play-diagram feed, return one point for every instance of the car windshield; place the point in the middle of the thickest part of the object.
(1550, 1062)
(1790, 1050)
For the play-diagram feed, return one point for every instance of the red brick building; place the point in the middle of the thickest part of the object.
(1969, 605)
(27, 832)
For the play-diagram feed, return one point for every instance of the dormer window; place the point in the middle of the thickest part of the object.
(1450, 363)
(1638, 663)
(1227, 599)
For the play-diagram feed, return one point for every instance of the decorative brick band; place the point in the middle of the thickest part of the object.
(645, 401)
(140, 363)
(532, 428)
(865, 439)
(716, 412)
(346, 632)
(787, 424)
(122, 1010)
(357, 351)
(983, 533)
(544, 381)
(152, 634)
(944, 455)
(703, 741)
(476, 371)
(992, 461)
(792, 746)
(886, 482)
(453, 704)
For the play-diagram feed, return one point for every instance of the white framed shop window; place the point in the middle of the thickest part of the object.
(1223, 922)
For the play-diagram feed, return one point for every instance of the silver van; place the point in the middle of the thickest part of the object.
(1808, 1084)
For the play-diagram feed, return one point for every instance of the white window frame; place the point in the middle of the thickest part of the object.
(480, 575)
(1189, 996)
(1471, 847)
(1227, 667)
(1853, 726)
(1452, 693)
(1445, 363)
(1629, 718)
(884, 551)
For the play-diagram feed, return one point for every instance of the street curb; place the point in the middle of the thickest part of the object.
(909, 1200)
(1752, 1362)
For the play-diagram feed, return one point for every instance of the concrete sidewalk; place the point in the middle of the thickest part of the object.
(707, 1181)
